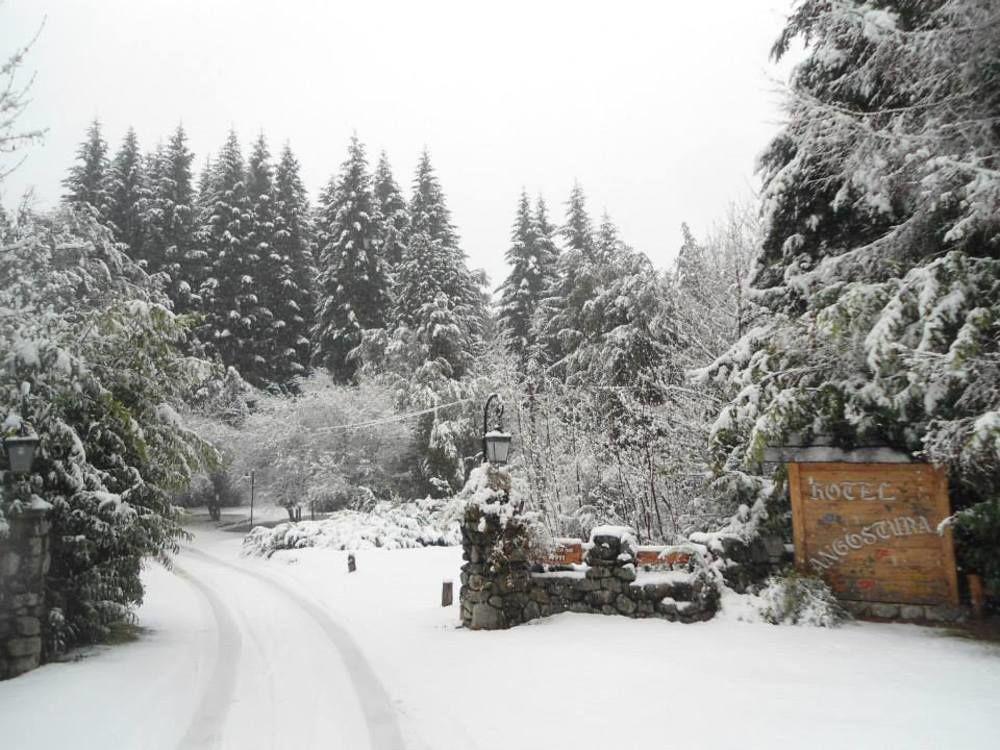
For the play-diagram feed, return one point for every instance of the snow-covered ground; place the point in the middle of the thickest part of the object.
(294, 652)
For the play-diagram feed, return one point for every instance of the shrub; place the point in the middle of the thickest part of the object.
(977, 537)
(797, 599)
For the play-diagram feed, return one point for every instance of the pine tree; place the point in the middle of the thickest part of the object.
(423, 290)
(267, 263)
(234, 324)
(546, 234)
(127, 195)
(430, 219)
(429, 213)
(548, 253)
(205, 191)
(353, 279)
(392, 207)
(531, 256)
(293, 240)
(690, 268)
(559, 320)
(87, 181)
(607, 243)
(878, 265)
(577, 232)
(170, 244)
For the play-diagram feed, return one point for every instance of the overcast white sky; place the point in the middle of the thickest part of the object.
(658, 108)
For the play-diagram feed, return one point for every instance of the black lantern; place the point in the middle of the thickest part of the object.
(496, 442)
(497, 447)
(21, 451)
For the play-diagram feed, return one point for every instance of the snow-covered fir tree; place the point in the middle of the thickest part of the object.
(294, 311)
(127, 195)
(560, 318)
(431, 220)
(234, 325)
(394, 212)
(427, 279)
(267, 263)
(532, 270)
(354, 283)
(205, 190)
(429, 212)
(545, 232)
(87, 181)
(879, 266)
(578, 231)
(170, 244)
(690, 265)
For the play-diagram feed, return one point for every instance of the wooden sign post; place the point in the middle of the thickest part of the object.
(870, 530)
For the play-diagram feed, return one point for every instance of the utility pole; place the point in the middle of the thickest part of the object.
(250, 476)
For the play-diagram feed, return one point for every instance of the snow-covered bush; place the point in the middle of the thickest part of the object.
(423, 523)
(977, 531)
(493, 499)
(91, 362)
(795, 599)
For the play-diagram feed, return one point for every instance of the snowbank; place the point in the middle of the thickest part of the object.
(422, 523)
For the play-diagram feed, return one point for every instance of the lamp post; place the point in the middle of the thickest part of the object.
(250, 476)
(496, 442)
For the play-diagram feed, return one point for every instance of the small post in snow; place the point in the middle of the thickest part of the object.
(976, 595)
(446, 593)
(351, 563)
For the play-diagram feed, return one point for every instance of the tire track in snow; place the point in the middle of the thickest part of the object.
(380, 717)
(209, 719)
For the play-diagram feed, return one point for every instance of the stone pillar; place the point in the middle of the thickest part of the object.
(611, 562)
(24, 561)
(496, 582)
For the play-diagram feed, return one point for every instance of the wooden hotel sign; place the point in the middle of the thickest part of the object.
(870, 530)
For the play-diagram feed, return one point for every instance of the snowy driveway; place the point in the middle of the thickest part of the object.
(285, 667)
(230, 659)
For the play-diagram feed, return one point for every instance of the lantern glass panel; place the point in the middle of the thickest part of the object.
(21, 453)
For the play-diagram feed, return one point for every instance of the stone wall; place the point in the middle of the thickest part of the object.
(611, 583)
(501, 587)
(24, 561)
